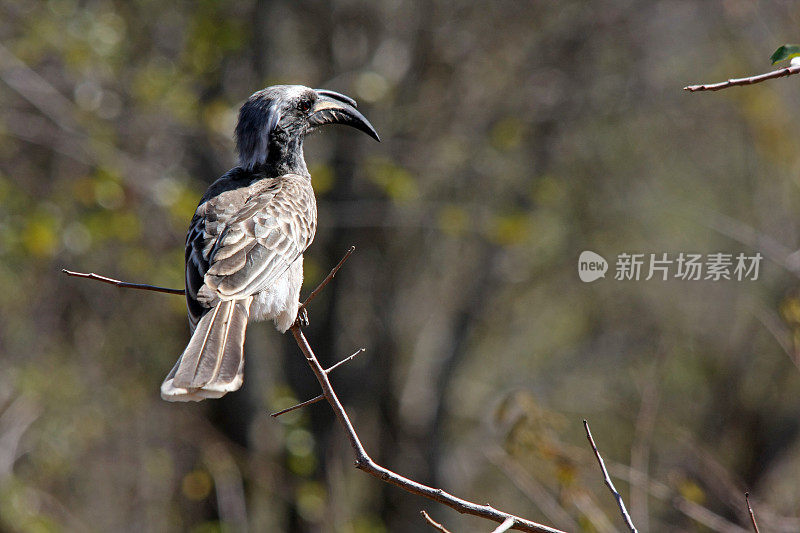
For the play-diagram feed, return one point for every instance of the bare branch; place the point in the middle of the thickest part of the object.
(328, 278)
(607, 479)
(362, 459)
(433, 523)
(750, 510)
(780, 73)
(122, 284)
(298, 406)
(365, 463)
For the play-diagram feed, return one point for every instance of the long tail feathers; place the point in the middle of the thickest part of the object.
(213, 362)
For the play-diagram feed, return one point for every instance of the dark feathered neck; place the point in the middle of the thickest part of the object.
(284, 155)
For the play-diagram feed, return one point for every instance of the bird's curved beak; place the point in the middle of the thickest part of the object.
(335, 108)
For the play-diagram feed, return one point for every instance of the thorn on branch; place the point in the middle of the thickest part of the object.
(298, 406)
(433, 523)
(302, 313)
(780, 73)
(345, 360)
(750, 511)
(625, 516)
(122, 284)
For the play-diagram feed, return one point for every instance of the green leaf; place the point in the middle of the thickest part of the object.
(787, 51)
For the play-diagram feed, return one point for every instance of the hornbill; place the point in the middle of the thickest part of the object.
(244, 248)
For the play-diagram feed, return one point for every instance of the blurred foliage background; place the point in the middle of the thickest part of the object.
(515, 136)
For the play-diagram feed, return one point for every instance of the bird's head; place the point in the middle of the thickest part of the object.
(274, 121)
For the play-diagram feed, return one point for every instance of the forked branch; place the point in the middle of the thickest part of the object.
(362, 460)
(321, 396)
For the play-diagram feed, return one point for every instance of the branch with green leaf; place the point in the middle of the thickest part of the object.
(787, 52)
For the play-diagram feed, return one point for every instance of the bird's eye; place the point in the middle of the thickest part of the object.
(304, 106)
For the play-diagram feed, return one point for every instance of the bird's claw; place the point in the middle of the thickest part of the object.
(302, 317)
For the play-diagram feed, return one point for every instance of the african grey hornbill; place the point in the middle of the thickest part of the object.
(244, 249)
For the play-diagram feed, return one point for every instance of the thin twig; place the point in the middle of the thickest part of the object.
(620, 503)
(298, 406)
(328, 278)
(780, 73)
(750, 510)
(365, 463)
(122, 284)
(345, 360)
(433, 523)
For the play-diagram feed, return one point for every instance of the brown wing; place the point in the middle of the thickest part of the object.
(242, 240)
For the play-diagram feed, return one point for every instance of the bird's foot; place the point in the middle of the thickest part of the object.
(302, 317)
